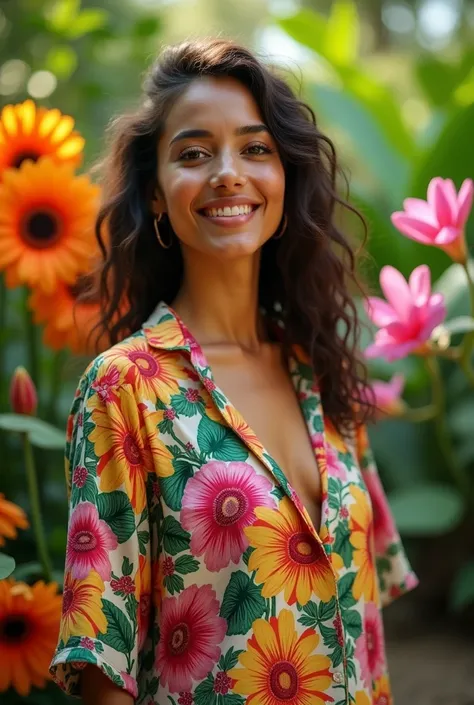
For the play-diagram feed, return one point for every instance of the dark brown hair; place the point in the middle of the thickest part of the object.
(305, 276)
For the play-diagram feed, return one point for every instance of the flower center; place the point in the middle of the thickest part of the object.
(84, 541)
(40, 229)
(13, 629)
(370, 642)
(179, 639)
(284, 680)
(147, 365)
(68, 598)
(303, 548)
(22, 157)
(131, 450)
(229, 506)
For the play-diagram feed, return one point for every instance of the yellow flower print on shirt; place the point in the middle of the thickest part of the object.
(361, 537)
(287, 557)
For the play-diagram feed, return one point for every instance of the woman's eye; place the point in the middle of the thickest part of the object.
(258, 149)
(192, 154)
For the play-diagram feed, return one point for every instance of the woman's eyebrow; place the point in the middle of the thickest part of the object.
(244, 130)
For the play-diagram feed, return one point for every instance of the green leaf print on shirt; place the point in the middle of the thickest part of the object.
(242, 604)
(115, 509)
(346, 598)
(188, 403)
(172, 487)
(219, 442)
(175, 538)
(119, 635)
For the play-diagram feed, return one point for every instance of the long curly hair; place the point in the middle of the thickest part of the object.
(306, 276)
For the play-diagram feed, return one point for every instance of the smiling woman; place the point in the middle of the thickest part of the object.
(224, 541)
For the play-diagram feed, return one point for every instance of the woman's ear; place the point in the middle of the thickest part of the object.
(158, 204)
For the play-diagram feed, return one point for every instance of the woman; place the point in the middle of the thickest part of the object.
(221, 543)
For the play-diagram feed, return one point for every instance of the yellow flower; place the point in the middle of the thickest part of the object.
(287, 557)
(238, 423)
(361, 537)
(382, 694)
(29, 622)
(280, 666)
(362, 698)
(152, 374)
(47, 218)
(11, 519)
(167, 334)
(82, 613)
(127, 451)
(29, 133)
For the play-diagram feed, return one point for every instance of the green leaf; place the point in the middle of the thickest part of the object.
(143, 541)
(183, 407)
(462, 590)
(146, 27)
(427, 510)
(173, 583)
(204, 693)
(219, 442)
(115, 509)
(329, 635)
(327, 610)
(7, 566)
(62, 14)
(88, 21)
(172, 487)
(438, 79)
(229, 659)
(342, 544)
(352, 623)
(61, 60)
(41, 434)
(342, 33)
(127, 567)
(346, 598)
(27, 570)
(175, 538)
(461, 324)
(119, 634)
(186, 564)
(242, 604)
(310, 618)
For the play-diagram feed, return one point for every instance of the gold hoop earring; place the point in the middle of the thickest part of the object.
(282, 231)
(156, 220)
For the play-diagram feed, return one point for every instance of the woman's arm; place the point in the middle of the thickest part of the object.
(97, 689)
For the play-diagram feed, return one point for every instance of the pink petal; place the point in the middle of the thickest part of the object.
(396, 291)
(420, 210)
(465, 196)
(435, 315)
(447, 235)
(413, 228)
(379, 311)
(420, 284)
(439, 201)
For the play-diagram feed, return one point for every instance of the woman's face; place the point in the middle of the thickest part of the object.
(221, 179)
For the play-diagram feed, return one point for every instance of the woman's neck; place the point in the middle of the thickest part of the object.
(218, 301)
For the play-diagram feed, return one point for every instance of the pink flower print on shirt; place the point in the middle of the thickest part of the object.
(90, 540)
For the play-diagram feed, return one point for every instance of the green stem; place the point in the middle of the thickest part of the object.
(457, 471)
(58, 361)
(35, 508)
(422, 413)
(32, 343)
(468, 342)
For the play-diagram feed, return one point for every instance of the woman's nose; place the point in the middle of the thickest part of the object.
(227, 172)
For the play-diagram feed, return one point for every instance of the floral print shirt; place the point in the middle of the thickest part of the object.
(194, 575)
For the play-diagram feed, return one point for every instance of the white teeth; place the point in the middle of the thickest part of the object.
(228, 212)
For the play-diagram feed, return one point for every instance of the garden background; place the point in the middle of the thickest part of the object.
(393, 85)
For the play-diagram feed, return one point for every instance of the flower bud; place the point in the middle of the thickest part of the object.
(23, 396)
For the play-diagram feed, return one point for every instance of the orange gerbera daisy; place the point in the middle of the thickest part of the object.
(125, 457)
(67, 321)
(280, 666)
(82, 613)
(152, 374)
(361, 537)
(11, 519)
(29, 133)
(29, 623)
(47, 220)
(287, 557)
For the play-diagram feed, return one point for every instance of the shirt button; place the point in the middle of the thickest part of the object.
(338, 677)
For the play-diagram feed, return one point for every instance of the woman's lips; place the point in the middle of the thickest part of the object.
(229, 221)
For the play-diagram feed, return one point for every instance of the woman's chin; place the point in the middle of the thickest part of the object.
(234, 245)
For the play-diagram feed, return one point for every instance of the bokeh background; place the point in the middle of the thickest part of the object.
(392, 84)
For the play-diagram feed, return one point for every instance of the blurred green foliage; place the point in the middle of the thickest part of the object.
(393, 139)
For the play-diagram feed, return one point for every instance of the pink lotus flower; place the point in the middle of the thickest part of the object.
(387, 395)
(190, 634)
(218, 503)
(369, 647)
(439, 221)
(408, 317)
(90, 540)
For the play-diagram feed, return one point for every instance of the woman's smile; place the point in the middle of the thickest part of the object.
(229, 212)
